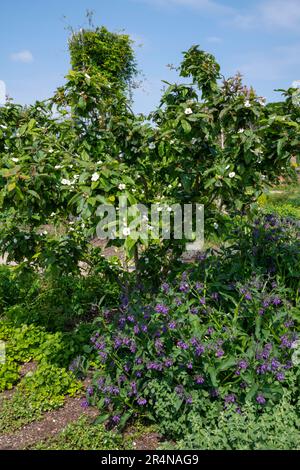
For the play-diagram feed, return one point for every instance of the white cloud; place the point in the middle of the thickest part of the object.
(281, 13)
(22, 56)
(201, 5)
(280, 63)
(2, 92)
(271, 14)
(214, 39)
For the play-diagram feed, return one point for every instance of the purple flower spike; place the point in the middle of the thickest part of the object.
(160, 308)
(141, 401)
(199, 379)
(260, 399)
(116, 419)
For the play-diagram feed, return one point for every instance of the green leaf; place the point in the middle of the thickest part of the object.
(186, 126)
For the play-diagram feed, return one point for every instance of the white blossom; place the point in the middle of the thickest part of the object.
(57, 167)
(247, 104)
(241, 130)
(122, 186)
(66, 182)
(95, 176)
(15, 160)
(216, 226)
(126, 231)
(188, 111)
(232, 174)
(152, 145)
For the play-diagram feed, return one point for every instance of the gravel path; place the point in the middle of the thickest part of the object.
(51, 424)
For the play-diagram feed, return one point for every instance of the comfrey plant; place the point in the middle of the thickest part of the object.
(230, 345)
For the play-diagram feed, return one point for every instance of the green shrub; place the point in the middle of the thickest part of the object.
(40, 391)
(277, 428)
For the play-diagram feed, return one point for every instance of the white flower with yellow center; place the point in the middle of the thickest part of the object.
(95, 177)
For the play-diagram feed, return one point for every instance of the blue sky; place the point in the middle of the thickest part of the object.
(260, 38)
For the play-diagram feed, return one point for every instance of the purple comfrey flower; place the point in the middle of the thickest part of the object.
(168, 362)
(276, 301)
(219, 352)
(288, 365)
(266, 303)
(194, 341)
(260, 399)
(103, 355)
(199, 350)
(127, 368)
(84, 404)
(144, 328)
(179, 390)
(158, 345)
(199, 379)
(248, 296)
(118, 342)
(130, 318)
(184, 276)
(184, 287)
(242, 364)
(199, 286)
(178, 302)
(100, 345)
(286, 342)
(116, 419)
(201, 257)
(182, 345)
(194, 310)
(261, 311)
(280, 376)
(189, 365)
(126, 341)
(275, 364)
(133, 387)
(189, 400)
(289, 323)
(231, 398)
(210, 331)
(136, 329)
(165, 288)
(101, 382)
(107, 401)
(243, 385)
(141, 401)
(122, 322)
(214, 393)
(160, 308)
(215, 296)
(139, 360)
(122, 378)
(90, 391)
(154, 366)
(202, 301)
(138, 374)
(172, 325)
